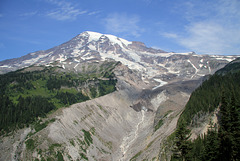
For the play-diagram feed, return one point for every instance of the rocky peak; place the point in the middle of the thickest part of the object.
(151, 63)
(140, 46)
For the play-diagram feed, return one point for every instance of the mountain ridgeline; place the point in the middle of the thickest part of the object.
(33, 92)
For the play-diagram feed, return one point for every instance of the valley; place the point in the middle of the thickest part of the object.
(131, 99)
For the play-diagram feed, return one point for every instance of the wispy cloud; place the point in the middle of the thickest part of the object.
(207, 37)
(94, 13)
(29, 14)
(213, 28)
(64, 10)
(169, 35)
(120, 23)
(1, 15)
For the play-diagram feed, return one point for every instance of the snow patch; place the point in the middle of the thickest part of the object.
(76, 66)
(34, 60)
(130, 64)
(162, 83)
(135, 56)
(5, 66)
(61, 58)
(118, 41)
(196, 69)
(92, 47)
(227, 59)
(93, 36)
(77, 60)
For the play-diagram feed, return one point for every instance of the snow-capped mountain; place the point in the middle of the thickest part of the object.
(151, 63)
(132, 123)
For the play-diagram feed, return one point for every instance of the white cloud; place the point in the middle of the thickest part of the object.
(169, 35)
(205, 37)
(123, 24)
(94, 13)
(64, 10)
(213, 28)
(29, 14)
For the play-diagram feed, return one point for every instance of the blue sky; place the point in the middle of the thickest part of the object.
(203, 26)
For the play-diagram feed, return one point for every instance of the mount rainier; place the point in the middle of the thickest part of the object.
(131, 123)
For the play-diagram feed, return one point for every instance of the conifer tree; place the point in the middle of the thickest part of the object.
(224, 134)
(211, 149)
(235, 127)
(183, 144)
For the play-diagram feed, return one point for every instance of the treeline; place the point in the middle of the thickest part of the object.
(221, 143)
(25, 96)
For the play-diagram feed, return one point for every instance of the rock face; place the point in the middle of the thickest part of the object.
(131, 123)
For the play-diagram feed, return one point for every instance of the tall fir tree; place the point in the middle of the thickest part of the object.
(211, 149)
(235, 127)
(183, 144)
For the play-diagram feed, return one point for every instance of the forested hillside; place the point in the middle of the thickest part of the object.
(33, 92)
(222, 141)
(207, 97)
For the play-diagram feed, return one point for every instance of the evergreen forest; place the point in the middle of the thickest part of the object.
(26, 95)
(220, 92)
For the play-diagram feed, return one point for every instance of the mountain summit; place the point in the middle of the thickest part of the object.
(92, 46)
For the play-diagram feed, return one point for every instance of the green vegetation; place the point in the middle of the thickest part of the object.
(72, 142)
(222, 141)
(51, 148)
(39, 125)
(182, 143)
(87, 137)
(159, 124)
(93, 91)
(136, 156)
(25, 95)
(207, 97)
(102, 109)
(83, 156)
(59, 156)
(30, 144)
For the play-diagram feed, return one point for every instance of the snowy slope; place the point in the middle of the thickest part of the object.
(150, 63)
